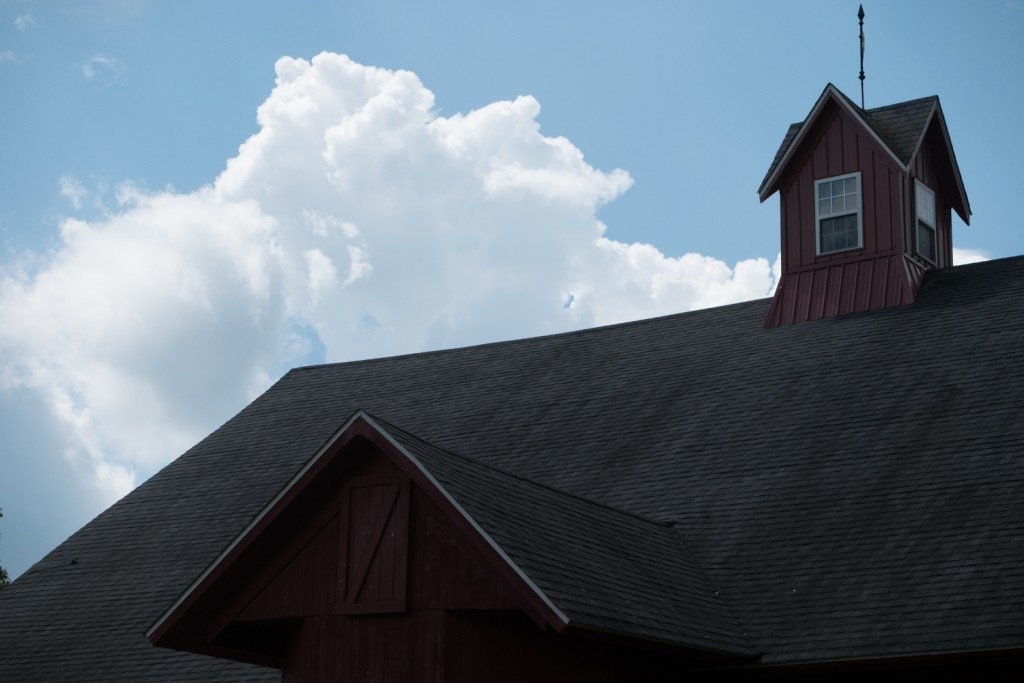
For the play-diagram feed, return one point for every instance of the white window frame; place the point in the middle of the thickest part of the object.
(859, 211)
(933, 225)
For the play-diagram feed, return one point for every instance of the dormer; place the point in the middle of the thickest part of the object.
(866, 202)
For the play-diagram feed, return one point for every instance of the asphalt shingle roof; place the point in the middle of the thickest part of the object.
(899, 126)
(850, 486)
(604, 568)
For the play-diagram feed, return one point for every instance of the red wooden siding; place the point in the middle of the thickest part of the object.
(392, 647)
(438, 645)
(448, 574)
(835, 146)
(885, 271)
(300, 588)
(379, 540)
(373, 545)
(930, 169)
(839, 288)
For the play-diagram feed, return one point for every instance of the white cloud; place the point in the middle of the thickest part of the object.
(24, 22)
(322, 273)
(73, 190)
(356, 222)
(964, 256)
(7, 56)
(104, 68)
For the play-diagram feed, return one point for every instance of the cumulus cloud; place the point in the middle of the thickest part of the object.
(103, 68)
(964, 256)
(356, 222)
(24, 22)
(73, 190)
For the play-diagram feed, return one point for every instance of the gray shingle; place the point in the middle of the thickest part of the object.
(851, 486)
(604, 568)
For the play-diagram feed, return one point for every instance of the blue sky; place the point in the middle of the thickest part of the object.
(689, 99)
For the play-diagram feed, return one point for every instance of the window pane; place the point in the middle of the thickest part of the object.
(925, 203)
(837, 196)
(838, 233)
(926, 241)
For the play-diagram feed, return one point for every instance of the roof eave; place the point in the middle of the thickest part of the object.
(964, 208)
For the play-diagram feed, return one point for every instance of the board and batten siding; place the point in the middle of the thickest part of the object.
(838, 146)
(876, 275)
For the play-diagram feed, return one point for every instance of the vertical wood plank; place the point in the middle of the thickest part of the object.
(819, 285)
(803, 299)
(849, 288)
(850, 155)
(834, 146)
(863, 295)
(879, 282)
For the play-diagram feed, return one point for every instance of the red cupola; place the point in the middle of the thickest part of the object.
(866, 198)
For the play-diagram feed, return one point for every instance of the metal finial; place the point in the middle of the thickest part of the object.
(860, 16)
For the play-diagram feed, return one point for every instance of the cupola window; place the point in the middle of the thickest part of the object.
(925, 221)
(837, 213)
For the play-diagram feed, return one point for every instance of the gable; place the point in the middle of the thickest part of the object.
(356, 563)
(357, 534)
(898, 128)
(386, 548)
(797, 135)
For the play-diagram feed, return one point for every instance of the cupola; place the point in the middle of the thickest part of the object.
(866, 199)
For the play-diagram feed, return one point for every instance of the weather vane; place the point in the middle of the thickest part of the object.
(860, 16)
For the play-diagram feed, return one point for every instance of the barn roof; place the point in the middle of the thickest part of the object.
(850, 487)
(605, 569)
(592, 565)
(899, 127)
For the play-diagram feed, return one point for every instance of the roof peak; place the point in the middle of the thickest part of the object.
(859, 108)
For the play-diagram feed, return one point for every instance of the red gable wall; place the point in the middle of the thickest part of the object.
(930, 166)
(835, 146)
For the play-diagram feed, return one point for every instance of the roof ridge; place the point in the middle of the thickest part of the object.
(551, 335)
(568, 333)
(520, 477)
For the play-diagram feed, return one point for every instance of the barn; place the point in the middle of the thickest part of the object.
(829, 482)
